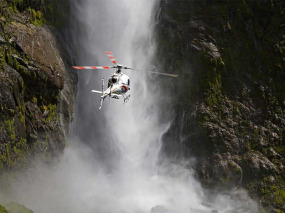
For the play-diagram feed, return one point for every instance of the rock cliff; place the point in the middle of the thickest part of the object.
(36, 86)
(230, 103)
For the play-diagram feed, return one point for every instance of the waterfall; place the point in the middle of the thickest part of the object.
(113, 163)
(125, 28)
(127, 135)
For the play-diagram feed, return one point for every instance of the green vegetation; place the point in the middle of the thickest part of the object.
(30, 105)
(3, 160)
(16, 150)
(271, 189)
(3, 209)
(20, 152)
(17, 208)
(41, 12)
(35, 100)
(231, 59)
(214, 93)
(36, 17)
(9, 126)
(51, 109)
(2, 58)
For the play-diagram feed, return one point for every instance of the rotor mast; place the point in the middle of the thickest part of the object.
(119, 69)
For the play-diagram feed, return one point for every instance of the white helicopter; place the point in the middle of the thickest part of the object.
(119, 83)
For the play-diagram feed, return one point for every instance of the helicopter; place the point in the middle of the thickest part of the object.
(118, 83)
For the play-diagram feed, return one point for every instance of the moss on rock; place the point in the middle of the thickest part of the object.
(14, 207)
(32, 77)
(3, 209)
(231, 104)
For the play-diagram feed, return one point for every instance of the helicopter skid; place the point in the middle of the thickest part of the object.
(126, 99)
(115, 96)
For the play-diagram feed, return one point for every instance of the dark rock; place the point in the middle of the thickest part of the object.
(211, 49)
(257, 164)
(235, 95)
(40, 45)
(273, 154)
(20, 60)
(35, 91)
(2, 40)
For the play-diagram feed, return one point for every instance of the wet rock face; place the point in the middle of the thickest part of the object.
(36, 91)
(230, 111)
(39, 44)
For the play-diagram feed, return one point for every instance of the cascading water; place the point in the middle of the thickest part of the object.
(112, 164)
(133, 131)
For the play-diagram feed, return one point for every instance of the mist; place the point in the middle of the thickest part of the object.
(113, 161)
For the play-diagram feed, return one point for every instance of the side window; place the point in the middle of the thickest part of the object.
(114, 80)
(129, 82)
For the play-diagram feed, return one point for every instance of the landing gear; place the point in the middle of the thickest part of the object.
(102, 97)
(115, 96)
(126, 98)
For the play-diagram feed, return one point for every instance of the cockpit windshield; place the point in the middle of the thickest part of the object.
(119, 79)
(124, 79)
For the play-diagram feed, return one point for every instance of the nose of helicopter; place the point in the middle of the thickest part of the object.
(125, 88)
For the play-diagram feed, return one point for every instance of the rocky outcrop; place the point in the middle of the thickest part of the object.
(36, 89)
(3, 209)
(230, 111)
(16, 208)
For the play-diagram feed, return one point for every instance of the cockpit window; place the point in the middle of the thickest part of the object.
(129, 82)
(114, 80)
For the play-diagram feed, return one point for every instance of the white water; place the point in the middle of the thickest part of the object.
(133, 183)
(112, 165)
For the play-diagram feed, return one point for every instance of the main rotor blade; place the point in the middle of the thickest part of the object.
(91, 67)
(158, 73)
(111, 57)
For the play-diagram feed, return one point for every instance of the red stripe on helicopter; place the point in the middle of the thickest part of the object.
(105, 67)
(125, 88)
